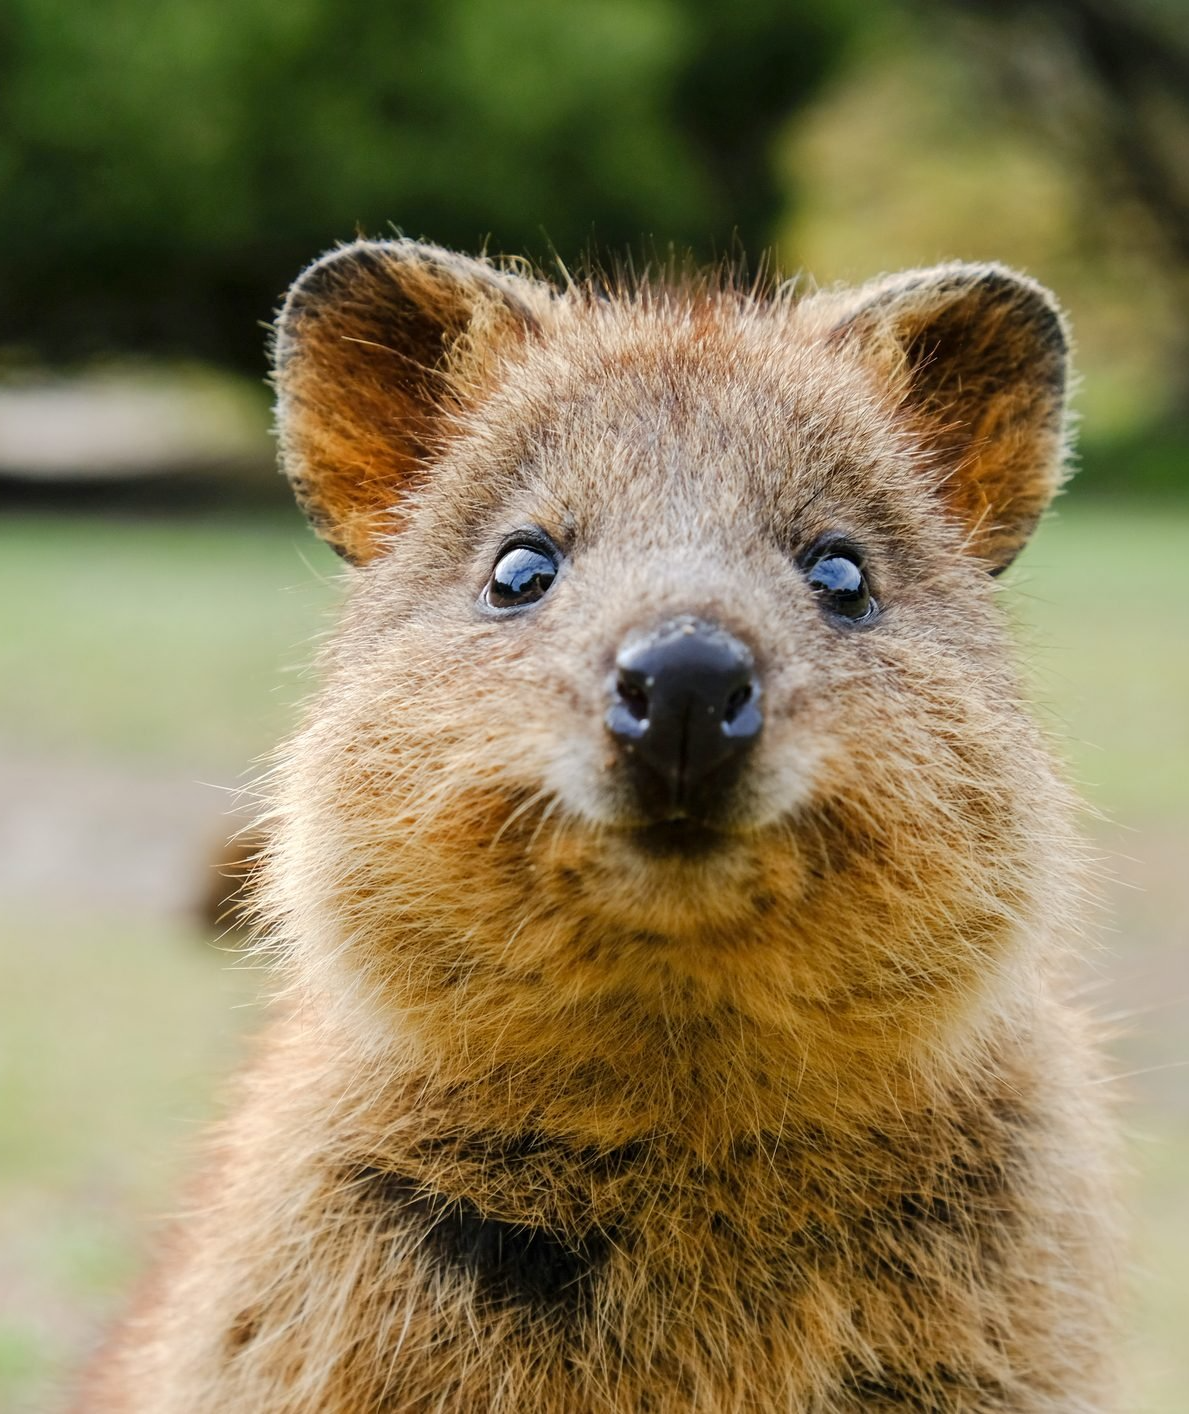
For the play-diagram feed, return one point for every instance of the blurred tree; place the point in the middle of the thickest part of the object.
(166, 169)
(1108, 83)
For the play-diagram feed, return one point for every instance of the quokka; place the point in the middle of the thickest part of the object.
(671, 889)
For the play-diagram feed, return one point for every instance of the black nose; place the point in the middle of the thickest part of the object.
(685, 710)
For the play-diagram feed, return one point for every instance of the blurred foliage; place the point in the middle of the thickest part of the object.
(165, 170)
(1108, 81)
(918, 153)
(1148, 462)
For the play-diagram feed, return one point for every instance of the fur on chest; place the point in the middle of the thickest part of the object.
(613, 1279)
(533, 1222)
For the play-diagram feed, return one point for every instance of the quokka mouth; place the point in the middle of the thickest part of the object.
(681, 838)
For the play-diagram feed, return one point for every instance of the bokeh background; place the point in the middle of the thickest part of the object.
(164, 172)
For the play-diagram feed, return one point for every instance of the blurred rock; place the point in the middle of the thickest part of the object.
(224, 899)
(127, 427)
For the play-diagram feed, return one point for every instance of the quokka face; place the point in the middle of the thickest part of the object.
(672, 668)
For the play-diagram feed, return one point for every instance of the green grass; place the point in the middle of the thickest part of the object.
(171, 640)
(1100, 599)
(178, 647)
(114, 1029)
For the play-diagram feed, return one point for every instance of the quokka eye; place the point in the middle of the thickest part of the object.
(837, 576)
(522, 575)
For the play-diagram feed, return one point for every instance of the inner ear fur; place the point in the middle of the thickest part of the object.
(377, 342)
(981, 356)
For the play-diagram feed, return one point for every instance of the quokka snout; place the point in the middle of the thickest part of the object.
(670, 885)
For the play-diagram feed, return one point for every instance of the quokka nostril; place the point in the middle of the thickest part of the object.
(634, 696)
(736, 702)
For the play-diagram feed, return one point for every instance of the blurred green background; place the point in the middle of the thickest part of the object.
(166, 170)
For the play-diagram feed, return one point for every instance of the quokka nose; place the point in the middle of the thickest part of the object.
(685, 711)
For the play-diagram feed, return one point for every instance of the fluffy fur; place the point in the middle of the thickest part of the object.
(552, 1123)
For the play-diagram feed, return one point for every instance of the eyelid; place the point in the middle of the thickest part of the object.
(530, 537)
(832, 543)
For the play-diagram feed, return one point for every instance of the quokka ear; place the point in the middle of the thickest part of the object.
(981, 356)
(377, 342)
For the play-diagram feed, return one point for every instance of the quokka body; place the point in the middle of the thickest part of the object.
(671, 891)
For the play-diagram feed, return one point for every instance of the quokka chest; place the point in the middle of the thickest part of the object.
(566, 1236)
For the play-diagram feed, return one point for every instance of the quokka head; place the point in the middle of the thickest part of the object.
(672, 666)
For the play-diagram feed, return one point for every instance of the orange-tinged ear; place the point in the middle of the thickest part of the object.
(981, 356)
(376, 344)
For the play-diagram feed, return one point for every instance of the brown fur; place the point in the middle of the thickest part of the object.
(548, 1123)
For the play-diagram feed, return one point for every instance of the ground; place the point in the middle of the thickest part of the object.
(144, 664)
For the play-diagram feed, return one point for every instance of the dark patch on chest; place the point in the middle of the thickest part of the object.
(511, 1264)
